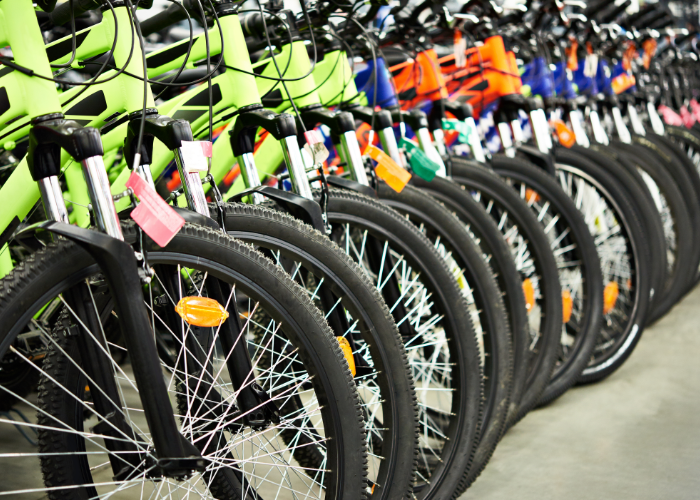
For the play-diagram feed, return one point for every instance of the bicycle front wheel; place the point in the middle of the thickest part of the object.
(306, 391)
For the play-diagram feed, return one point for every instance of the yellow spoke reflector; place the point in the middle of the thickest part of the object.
(610, 296)
(567, 305)
(531, 196)
(347, 352)
(201, 311)
(529, 292)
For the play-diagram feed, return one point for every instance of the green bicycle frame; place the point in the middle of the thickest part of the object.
(233, 89)
(99, 104)
(24, 97)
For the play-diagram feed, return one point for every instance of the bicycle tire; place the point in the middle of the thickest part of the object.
(62, 264)
(274, 231)
(492, 191)
(587, 321)
(373, 219)
(628, 175)
(679, 264)
(450, 234)
(613, 349)
(687, 181)
(500, 260)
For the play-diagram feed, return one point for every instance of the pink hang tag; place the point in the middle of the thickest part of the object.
(687, 117)
(670, 117)
(312, 137)
(157, 219)
(206, 148)
(696, 108)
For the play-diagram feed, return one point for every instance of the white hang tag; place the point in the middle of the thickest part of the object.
(590, 68)
(315, 147)
(194, 154)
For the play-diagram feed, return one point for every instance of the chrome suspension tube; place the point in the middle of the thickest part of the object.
(506, 139)
(296, 167)
(475, 141)
(426, 144)
(440, 145)
(540, 130)
(622, 131)
(251, 177)
(576, 119)
(144, 172)
(518, 135)
(192, 186)
(389, 145)
(352, 156)
(636, 122)
(598, 130)
(101, 197)
(52, 198)
(656, 122)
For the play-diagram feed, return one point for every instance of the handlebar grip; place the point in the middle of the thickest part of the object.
(611, 13)
(61, 14)
(594, 7)
(173, 14)
(661, 23)
(252, 25)
(647, 12)
(645, 20)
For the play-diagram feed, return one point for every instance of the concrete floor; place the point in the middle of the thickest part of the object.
(635, 435)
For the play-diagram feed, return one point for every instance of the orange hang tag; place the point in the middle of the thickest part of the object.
(566, 136)
(388, 170)
(649, 47)
(572, 56)
(622, 82)
(628, 56)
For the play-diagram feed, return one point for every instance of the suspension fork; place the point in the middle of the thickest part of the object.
(283, 128)
(418, 121)
(117, 261)
(172, 133)
(462, 112)
(342, 127)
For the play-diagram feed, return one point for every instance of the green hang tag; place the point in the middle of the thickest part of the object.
(448, 124)
(459, 126)
(422, 166)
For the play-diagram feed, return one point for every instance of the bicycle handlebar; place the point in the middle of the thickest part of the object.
(173, 14)
(61, 14)
(609, 14)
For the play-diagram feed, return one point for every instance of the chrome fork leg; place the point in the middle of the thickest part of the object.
(52, 198)
(296, 167)
(101, 196)
(389, 145)
(352, 156)
(192, 186)
(251, 178)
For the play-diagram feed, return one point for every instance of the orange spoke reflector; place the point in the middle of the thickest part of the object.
(529, 292)
(531, 196)
(610, 296)
(201, 311)
(347, 352)
(388, 170)
(567, 305)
